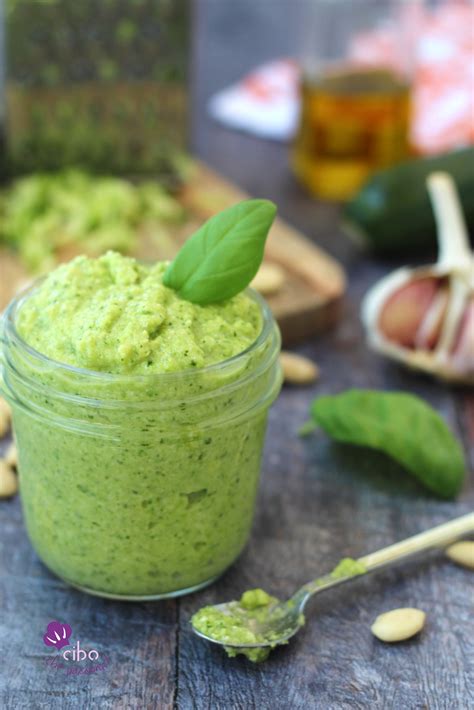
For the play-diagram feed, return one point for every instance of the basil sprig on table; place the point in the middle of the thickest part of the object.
(402, 426)
(223, 256)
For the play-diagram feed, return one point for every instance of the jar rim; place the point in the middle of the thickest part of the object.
(15, 305)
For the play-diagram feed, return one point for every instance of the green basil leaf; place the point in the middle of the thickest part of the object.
(401, 425)
(223, 256)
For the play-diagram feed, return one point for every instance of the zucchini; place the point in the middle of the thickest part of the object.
(392, 213)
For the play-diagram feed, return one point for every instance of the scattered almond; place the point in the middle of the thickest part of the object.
(269, 279)
(11, 456)
(398, 624)
(5, 417)
(8, 480)
(298, 370)
(462, 553)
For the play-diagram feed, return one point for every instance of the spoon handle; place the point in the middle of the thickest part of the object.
(439, 536)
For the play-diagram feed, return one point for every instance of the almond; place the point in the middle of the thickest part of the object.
(11, 456)
(269, 279)
(462, 553)
(398, 624)
(298, 370)
(5, 417)
(8, 480)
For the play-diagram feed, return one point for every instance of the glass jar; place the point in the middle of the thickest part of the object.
(357, 64)
(139, 487)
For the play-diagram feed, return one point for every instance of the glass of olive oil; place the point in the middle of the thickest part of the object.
(355, 90)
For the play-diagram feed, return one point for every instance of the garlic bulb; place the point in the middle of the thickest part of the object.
(424, 317)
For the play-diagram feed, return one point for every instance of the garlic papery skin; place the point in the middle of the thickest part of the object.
(440, 359)
(427, 335)
(462, 357)
(424, 317)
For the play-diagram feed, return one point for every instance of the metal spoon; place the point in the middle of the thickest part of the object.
(285, 618)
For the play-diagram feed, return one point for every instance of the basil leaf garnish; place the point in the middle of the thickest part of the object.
(223, 256)
(402, 426)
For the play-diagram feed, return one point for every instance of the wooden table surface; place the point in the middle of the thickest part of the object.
(317, 502)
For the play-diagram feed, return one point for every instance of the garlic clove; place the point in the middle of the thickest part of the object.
(403, 312)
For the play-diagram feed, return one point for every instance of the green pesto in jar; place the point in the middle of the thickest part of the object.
(114, 315)
(135, 486)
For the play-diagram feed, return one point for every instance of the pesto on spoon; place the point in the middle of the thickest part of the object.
(259, 622)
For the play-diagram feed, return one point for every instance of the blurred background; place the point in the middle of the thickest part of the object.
(112, 113)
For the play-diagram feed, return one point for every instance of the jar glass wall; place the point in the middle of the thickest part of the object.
(139, 487)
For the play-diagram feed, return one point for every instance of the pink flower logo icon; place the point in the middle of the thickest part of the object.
(57, 634)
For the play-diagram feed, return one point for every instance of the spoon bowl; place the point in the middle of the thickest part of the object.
(279, 621)
(284, 620)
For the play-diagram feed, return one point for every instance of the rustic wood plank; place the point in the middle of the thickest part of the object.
(139, 640)
(466, 421)
(317, 501)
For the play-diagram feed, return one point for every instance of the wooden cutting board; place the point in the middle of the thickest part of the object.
(12, 276)
(309, 300)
